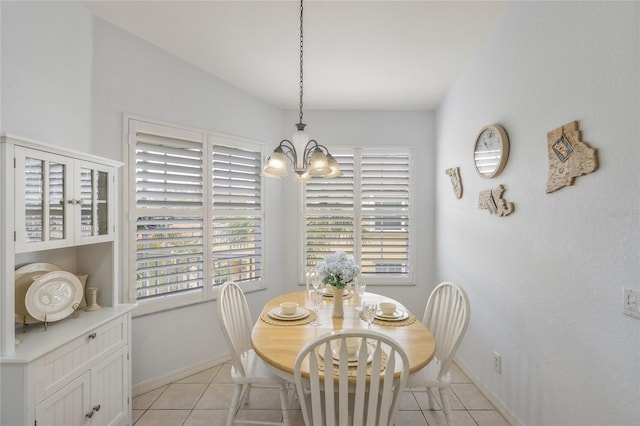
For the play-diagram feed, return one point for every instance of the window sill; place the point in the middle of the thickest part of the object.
(177, 301)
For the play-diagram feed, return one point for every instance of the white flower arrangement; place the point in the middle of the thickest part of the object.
(337, 269)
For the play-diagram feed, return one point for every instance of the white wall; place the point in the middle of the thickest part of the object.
(374, 128)
(546, 282)
(46, 72)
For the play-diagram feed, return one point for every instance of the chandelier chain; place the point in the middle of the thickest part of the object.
(301, 52)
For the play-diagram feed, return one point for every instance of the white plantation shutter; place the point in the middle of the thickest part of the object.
(237, 213)
(197, 198)
(329, 218)
(365, 213)
(169, 210)
(384, 213)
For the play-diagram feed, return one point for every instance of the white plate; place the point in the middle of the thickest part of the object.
(25, 276)
(301, 312)
(398, 315)
(53, 295)
(327, 293)
(352, 362)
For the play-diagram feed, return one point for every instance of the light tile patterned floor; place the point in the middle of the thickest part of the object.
(203, 399)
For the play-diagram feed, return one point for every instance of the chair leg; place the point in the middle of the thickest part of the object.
(247, 394)
(431, 398)
(235, 404)
(446, 407)
(284, 402)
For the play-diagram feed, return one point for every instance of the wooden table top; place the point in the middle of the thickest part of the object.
(278, 345)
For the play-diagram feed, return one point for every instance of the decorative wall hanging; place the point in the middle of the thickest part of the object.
(569, 157)
(492, 200)
(456, 182)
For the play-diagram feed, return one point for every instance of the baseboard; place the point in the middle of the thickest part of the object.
(495, 401)
(181, 373)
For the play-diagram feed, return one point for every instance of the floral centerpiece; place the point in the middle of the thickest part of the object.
(337, 270)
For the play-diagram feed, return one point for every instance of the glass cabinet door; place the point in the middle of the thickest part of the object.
(57, 198)
(42, 208)
(61, 201)
(33, 190)
(94, 201)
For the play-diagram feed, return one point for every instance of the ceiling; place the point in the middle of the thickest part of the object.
(358, 55)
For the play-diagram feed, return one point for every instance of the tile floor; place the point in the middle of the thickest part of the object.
(203, 399)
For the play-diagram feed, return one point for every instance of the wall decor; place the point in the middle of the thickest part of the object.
(492, 200)
(569, 157)
(491, 151)
(456, 182)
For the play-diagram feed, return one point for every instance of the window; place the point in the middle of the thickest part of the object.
(237, 219)
(366, 213)
(198, 213)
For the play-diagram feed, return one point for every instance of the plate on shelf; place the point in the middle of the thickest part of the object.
(25, 276)
(353, 360)
(398, 315)
(329, 293)
(276, 313)
(53, 295)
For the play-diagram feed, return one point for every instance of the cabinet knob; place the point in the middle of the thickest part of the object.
(92, 336)
(89, 414)
(96, 408)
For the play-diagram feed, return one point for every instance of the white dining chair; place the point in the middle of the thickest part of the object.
(248, 370)
(359, 390)
(447, 317)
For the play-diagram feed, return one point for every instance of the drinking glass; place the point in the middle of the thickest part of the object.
(369, 310)
(360, 286)
(316, 300)
(315, 279)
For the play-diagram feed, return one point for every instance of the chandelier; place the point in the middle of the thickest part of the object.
(308, 158)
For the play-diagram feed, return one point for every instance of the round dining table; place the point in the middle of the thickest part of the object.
(278, 342)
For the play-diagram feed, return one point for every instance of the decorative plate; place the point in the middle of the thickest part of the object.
(353, 360)
(398, 315)
(329, 293)
(52, 296)
(276, 313)
(25, 276)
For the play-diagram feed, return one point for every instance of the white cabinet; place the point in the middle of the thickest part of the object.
(84, 381)
(61, 201)
(95, 398)
(67, 406)
(58, 206)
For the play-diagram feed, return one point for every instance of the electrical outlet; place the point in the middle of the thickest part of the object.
(497, 362)
(631, 303)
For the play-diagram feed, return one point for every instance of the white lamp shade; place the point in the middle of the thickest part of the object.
(334, 166)
(276, 164)
(318, 165)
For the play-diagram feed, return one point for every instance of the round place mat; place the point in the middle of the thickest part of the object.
(264, 316)
(410, 320)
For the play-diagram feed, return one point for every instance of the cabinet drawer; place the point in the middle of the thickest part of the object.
(58, 367)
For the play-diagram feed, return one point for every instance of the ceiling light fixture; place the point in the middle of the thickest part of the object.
(315, 159)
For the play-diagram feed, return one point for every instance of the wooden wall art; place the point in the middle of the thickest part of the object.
(456, 182)
(569, 157)
(492, 200)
